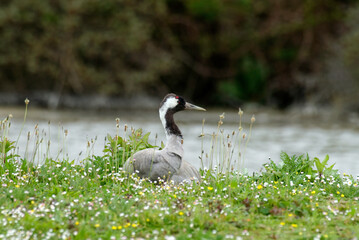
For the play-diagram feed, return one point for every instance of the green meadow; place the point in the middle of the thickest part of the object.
(295, 197)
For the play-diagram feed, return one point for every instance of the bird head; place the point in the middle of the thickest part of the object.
(175, 103)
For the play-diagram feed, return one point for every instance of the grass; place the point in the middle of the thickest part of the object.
(297, 198)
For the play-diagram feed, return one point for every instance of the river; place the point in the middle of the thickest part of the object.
(272, 133)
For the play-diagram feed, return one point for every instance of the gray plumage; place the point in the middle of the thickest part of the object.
(168, 163)
(186, 173)
(153, 164)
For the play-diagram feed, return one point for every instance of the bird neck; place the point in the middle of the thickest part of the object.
(171, 129)
(174, 147)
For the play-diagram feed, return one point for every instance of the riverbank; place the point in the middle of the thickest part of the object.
(293, 131)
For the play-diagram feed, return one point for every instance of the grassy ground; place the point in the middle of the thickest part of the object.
(298, 198)
(60, 200)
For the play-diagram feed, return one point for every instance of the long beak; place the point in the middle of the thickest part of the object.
(190, 106)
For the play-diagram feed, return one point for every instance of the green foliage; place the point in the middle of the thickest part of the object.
(117, 47)
(293, 168)
(208, 10)
(250, 82)
(80, 46)
(349, 42)
(118, 149)
(289, 168)
(322, 167)
(7, 150)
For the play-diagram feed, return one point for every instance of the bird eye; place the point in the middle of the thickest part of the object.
(176, 97)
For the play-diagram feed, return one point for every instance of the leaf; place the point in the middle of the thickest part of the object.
(325, 160)
(331, 167)
(319, 165)
(145, 137)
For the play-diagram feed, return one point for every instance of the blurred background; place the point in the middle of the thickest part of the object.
(299, 56)
(273, 52)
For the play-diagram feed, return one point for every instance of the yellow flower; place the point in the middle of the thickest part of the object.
(134, 225)
(282, 223)
(259, 186)
(313, 192)
(17, 186)
(141, 193)
(342, 195)
(180, 213)
(77, 223)
(294, 225)
(114, 227)
(174, 195)
(210, 188)
(97, 225)
(119, 227)
(127, 225)
(338, 192)
(147, 219)
(290, 214)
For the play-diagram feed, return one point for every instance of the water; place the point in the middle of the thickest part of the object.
(272, 133)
